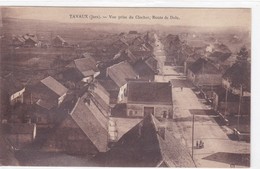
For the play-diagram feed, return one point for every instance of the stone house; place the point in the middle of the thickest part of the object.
(83, 130)
(147, 144)
(145, 98)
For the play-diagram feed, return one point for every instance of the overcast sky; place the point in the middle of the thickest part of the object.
(187, 16)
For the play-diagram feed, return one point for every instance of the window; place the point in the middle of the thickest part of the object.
(130, 113)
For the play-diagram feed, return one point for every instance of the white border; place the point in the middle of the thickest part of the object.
(254, 5)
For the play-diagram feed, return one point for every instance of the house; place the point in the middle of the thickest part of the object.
(58, 41)
(48, 92)
(120, 74)
(189, 61)
(11, 90)
(27, 40)
(146, 69)
(227, 103)
(148, 144)
(18, 41)
(204, 74)
(30, 40)
(19, 135)
(120, 44)
(145, 98)
(237, 76)
(83, 130)
(86, 67)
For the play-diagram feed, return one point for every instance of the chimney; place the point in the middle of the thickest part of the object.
(161, 132)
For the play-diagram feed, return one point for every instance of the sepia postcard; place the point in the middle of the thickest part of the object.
(125, 87)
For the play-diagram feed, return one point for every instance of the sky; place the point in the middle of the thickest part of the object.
(208, 17)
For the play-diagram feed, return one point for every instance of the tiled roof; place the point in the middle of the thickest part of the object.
(149, 92)
(92, 122)
(54, 85)
(120, 72)
(174, 153)
(87, 66)
(152, 63)
(203, 66)
(142, 146)
(58, 37)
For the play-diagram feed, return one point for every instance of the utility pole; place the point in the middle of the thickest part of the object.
(239, 106)
(226, 102)
(192, 137)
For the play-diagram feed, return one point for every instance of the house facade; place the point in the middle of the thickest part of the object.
(145, 98)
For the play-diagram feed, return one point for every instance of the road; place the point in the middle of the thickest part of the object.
(219, 150)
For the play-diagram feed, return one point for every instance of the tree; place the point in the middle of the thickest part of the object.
(243, 54)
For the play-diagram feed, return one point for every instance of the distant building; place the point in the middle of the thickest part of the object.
(148, 144)
(82, 131)
(147, 68)
(134, 55)
(145, 98)
(31, 40)
(58, 41)
(204, 74)
(189, 61)
(120, 44)
(133, 32)
(18, 41)
(19, 135)
(27, 40)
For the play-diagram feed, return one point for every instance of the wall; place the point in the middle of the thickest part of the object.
(121, 94)
(138, 109)
(17, 97)
(60, 100)
(208, 80)
(232, 108)
(20, 140)
(191, 76)
(70, 139)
